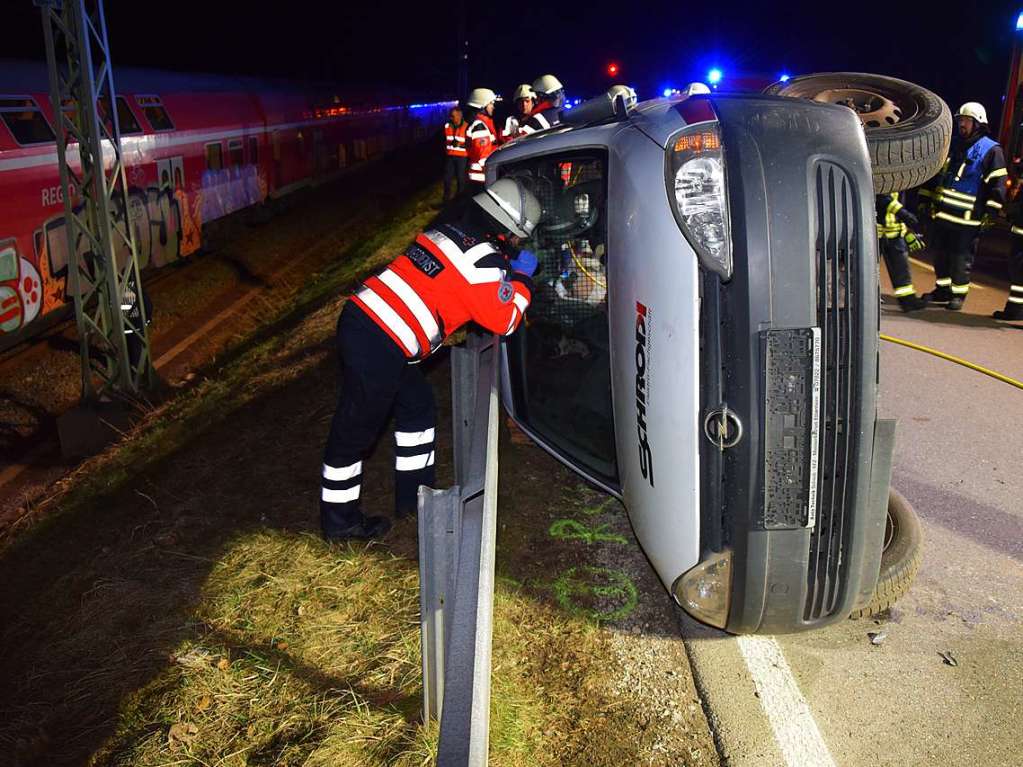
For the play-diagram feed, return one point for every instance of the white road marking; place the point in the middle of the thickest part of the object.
(795, 729)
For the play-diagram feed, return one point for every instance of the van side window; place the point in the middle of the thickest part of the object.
(153, 109)
(214, 156)
(560, 360)
(25, 120)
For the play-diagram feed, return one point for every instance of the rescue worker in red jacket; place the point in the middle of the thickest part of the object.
(481, 136)
(524, 100)
(456, 154)
(547, 112)
(471, 270)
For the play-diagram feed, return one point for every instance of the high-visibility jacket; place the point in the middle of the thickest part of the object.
(482, 140)
(454, 139)
(543, 116)
(449, 276)
(972, 183)
(510, 129)
(891, 217)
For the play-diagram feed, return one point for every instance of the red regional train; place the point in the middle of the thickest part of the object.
(196, 148)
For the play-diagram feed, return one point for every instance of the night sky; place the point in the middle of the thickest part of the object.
(411, 49)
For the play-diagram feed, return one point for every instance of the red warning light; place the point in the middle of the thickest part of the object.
(612, 69)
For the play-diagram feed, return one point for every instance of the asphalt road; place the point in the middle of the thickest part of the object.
(831, 697)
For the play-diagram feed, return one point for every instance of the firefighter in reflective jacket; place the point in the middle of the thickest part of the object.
(1014, 303)
(524, 100)
(895, 240)
(471, 270)
(481, 136)
(971, 189)
(456, 154)
(547, 112)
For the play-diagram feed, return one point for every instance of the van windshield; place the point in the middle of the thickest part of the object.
(559, 359)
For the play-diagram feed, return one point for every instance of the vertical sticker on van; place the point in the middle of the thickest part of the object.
(646, 458)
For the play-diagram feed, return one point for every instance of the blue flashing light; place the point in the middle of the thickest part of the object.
(568, 105)
(667, 92)
(1019, 22)
(784, 78)
(714, 76)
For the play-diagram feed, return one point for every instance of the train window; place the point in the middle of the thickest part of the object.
(253, 150)
(234, 153)
(214, 156)
(126, 118)
(25, 120)
(153, 109)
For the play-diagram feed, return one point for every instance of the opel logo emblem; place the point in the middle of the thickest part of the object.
(723, 427)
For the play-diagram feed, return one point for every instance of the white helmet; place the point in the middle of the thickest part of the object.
(974, 110)
(524, 91)
(547, 85)
(625, 92)
(514, 207)
(480, 97)
(695, 88)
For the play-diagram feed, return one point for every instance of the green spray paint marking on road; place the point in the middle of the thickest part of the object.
(569, 529)
(612, 590)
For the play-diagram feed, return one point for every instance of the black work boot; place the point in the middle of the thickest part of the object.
(941, 294)
(1011, 312)
(956, 303)
(362, 529)
(912, 303)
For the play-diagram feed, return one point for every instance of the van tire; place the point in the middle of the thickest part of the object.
(908, 131)
(900, 559)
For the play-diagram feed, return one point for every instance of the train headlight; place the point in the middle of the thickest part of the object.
(696, 188)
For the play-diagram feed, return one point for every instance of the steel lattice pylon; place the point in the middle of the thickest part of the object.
(103, 271)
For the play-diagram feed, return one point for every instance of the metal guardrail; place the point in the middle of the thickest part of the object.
(457, 536)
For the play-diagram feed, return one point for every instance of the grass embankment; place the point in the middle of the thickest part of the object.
(173, 604)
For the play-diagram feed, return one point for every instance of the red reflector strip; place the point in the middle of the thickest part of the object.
(695, 110)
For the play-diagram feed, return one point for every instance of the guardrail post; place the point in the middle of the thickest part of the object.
(457, 539)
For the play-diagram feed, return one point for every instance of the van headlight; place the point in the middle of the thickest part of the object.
(705, 590)
(696, 188)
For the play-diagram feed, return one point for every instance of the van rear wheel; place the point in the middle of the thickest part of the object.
(908, 128)
(900, 558)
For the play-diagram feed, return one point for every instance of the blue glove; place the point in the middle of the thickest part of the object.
(525, 263)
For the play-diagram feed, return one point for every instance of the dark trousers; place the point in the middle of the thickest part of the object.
(896, 259)
(376, 380)
(953, 256)
(455, 169)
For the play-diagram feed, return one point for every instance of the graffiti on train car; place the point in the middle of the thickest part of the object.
(21, 288)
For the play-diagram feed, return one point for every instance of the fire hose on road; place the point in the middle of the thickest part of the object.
(957, 360)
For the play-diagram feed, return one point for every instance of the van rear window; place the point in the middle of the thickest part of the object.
(25, 121)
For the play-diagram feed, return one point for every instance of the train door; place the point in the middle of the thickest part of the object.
(163, 174)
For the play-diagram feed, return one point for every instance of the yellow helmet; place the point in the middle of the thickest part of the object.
(974, 110)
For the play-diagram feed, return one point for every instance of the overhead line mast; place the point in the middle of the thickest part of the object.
(103, 271)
